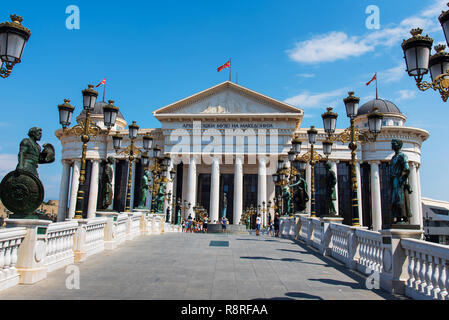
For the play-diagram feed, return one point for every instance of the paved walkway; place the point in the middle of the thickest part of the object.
(185, 266)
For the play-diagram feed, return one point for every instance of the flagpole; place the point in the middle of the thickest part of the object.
(230, 68)
(377, 95)
(104, 91)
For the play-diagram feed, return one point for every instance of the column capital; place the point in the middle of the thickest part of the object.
(66, 161)
(374, 162)
(334, 161)
(414, 164)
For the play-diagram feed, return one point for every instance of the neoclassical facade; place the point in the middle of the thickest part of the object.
(225, 143)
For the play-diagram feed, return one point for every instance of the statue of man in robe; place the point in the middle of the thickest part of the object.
(286, 201)
(144, 187)
(331, 194)
(106, 180)
(398, 172)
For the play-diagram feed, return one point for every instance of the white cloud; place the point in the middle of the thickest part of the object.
(406, 95)
(317, 100)
(392, 75)
(328, 47)
(338, 45)
(306, 75)
(8, 162)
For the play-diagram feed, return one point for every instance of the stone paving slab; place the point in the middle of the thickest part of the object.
(183, 266)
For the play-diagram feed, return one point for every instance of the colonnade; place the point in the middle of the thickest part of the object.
(71, 172)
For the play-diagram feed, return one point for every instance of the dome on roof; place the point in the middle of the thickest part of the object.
(98, 110)
(384, 106)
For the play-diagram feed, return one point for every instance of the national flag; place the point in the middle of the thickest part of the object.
(102, 82)
(226, 65)
(374, 78)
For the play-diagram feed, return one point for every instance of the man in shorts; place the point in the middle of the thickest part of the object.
(223, 224)
(258, 223)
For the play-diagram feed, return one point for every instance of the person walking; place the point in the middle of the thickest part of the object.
(190, 224)
(223, 224)
(258, 222)
(205, 224)
(271, 228)
(183, 224)
(277, 222)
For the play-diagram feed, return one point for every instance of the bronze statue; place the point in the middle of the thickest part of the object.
(30, 155)
(106, 180)
(21, 191)
(144, 187)
(300, 195)
(331, 195)
(160, 197)
(286, 201)
(398, 173)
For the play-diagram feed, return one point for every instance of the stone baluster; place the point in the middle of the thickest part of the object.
(411, 267)
(417, 272)
(442, 280)
(423, 273)
(429, 275)
(435, 278)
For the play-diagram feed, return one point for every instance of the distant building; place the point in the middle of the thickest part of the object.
(436, 220)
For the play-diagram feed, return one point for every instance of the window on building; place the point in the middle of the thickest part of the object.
(365, 175)
(344, 192)
(443, 212)
(385, 193)
(320, 189)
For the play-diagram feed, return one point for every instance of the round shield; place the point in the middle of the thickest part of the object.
(21, 192)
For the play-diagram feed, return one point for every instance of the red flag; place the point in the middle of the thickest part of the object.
(374, 78)
(226, 65)
(102, 82)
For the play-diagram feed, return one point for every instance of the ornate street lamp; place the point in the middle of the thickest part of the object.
(353, 136)
(13, 37)
(417, 57)
(85, 130)
(131, 152)
(110, 114)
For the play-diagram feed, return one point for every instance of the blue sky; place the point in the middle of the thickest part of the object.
(308, 53)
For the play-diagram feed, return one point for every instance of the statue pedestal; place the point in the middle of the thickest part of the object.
(335, 219)
(394, 274)
(32, 252)
(143, 219)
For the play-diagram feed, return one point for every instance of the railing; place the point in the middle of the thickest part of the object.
(94, 242)
(60, 245)
(303, 232)
(133, 225)
(340, 242)
(427, 267)
(369, 251)
(10, 239)
(317, 233)
(119, 233)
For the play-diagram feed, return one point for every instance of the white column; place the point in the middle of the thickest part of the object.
(191, 186)
(309, 187)
(421, 221)
(359, 192)
(334, 168)
(133, 185)
(215, 189)
(93, 191)
(376, 204)
(414, 196)
(64, 191)
(262, 185)
(238, 190)
(113, 185)
(74, 189)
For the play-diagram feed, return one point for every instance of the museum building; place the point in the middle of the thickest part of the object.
(225, 143)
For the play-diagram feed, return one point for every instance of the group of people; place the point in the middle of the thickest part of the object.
(194, 225)
(273, 228)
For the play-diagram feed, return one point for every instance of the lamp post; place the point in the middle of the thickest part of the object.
(352, 135)
(131, 152)
(13, 37)
(85, 130)
(418, 58)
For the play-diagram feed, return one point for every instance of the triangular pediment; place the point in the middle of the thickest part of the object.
(227, 98)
